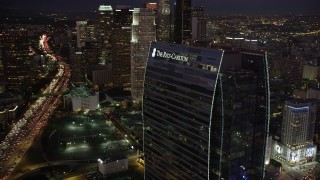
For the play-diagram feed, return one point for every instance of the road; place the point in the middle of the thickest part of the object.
(36, 116)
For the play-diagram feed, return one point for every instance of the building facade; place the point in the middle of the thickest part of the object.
(182, 24)
(163, 21)
(17, 61)
(143, 33)
(82, 99)
(105, 33)
(199, 23)
(81, 27)
(121, 48)
(296, 146)
(196, 124)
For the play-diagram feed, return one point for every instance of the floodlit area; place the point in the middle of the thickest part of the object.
(84, 136)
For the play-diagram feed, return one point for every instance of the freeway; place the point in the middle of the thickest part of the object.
(26, 129)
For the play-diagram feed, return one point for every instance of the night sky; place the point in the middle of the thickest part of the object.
(211, 6)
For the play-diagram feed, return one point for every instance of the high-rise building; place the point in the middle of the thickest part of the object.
(81, 27)
(121, 48)
(17, 61)
(298, 126)
(78, 66)
(205, 113)
(241, 117)
(199, 23)
(143, 33)
(163, 21)
(182, 24)
(105, 33)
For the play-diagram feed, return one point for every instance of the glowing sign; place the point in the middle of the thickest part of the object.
(167, 55)
(299, 108)
(278, 149)
(309, 152)
(294, 156)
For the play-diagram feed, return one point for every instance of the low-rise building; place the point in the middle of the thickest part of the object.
(82, 98)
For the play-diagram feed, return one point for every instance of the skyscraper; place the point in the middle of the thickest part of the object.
(241, 116)
(297, 133)
(105, 33)
(81, 33)
(121, 48)
(199, 23)
(298, 123)
(17, 61)
(205, 113)
(143, 33)
(78, 66)
(182, 24)
(163, 21)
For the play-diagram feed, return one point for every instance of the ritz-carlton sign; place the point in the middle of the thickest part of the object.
(167, 55)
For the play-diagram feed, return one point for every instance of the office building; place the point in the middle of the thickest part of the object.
(100, 74)
(199, 23)
(205, 113)
(143, 33)
(105, 33)
(121, 48)
(296, 145)
(163, 21)
(17, 61)
(78, 66)
(81, 27)
(182, 24)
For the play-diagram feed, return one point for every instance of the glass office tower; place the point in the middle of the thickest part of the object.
(193, 114)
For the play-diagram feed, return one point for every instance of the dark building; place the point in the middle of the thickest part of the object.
(91, 57)
(78, 66)
(121, 48)
(17, 61)
(205, 113)
(105, 33)
(240, 114)
(199, 23)
(182, 24)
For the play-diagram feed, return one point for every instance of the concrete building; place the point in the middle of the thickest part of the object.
(143, 33)
(121, 48)
(105, 33)
(199, 23)
(82, 98)
(100, 74)
(17, 61)
(78, 66)
(298, 127)
(81, 27)
(163, 22)
(110, 166)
